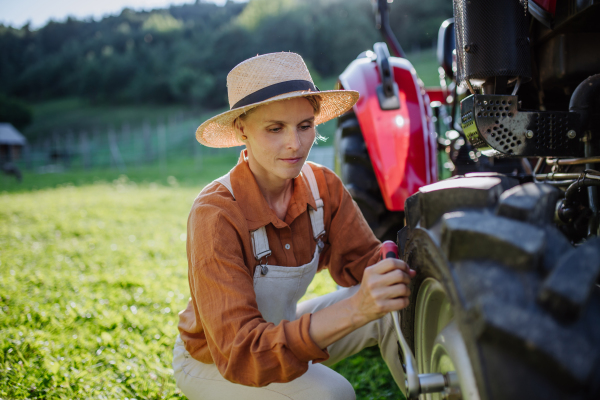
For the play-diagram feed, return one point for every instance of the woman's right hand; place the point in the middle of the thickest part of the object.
(384, 288)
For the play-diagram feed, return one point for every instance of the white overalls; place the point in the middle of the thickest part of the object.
(278, 290)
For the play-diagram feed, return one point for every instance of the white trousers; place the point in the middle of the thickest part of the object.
(199, 381)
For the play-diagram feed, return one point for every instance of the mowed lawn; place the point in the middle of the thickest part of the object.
(91, 280)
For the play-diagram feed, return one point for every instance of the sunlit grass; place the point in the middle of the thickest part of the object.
(183, 171)
(91, 280)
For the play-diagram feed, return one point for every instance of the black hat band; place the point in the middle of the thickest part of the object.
(275, 90)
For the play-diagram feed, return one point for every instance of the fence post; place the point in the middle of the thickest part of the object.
(46, 151)
(161, 133)
(69, 148)
(173, 134)
(147, 156)
(54, 148)
(136, 146)
(96, 145)
(124, 140)
(27, 150)
(114, 150)
(125, 132)
(84, 149)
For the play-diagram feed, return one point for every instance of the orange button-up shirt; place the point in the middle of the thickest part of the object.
(222, 323)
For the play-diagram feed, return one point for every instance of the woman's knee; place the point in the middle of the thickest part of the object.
(339, 389)
(324, 383)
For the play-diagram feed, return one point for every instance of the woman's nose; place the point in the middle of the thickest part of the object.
(294, 140)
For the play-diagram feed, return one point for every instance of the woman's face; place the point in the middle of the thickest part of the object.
(280, 136)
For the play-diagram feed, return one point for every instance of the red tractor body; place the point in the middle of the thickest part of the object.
(402, 142)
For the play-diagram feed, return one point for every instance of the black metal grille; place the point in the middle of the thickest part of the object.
(491, 39)
(552, 131)
(495, 122)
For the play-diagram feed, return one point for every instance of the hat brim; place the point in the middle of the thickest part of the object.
(218, 131)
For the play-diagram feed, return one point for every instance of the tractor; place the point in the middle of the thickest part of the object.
(506, 302)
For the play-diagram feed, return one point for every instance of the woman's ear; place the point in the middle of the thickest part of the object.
(238, 126)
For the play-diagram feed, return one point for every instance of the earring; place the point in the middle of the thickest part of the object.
(244, 137)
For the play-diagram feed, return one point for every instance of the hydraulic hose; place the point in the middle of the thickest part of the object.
(571, 191)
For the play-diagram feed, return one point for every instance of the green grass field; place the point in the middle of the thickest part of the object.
(425, 62)
(92, 275)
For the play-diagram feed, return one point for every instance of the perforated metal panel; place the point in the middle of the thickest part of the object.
(492, 39)
(495, 125)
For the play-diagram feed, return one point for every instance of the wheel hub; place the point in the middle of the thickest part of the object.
(439, 346)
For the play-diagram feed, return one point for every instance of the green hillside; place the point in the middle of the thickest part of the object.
(181, 55)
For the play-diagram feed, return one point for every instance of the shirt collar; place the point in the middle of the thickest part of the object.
(253, 204)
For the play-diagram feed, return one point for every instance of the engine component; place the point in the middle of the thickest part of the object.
(492, 43)
(495, 125)
(586, 94)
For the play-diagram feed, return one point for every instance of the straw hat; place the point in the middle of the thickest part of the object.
(263, 80)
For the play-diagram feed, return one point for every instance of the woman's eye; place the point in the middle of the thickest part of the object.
(305, 127)
(275, 130)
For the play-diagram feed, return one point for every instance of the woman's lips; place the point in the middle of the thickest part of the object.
(291, 160)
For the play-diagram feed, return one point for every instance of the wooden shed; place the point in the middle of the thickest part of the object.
(11, 143)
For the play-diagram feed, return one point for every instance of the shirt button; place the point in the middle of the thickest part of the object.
(287, 246)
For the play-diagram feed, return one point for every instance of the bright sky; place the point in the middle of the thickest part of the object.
(17, 12)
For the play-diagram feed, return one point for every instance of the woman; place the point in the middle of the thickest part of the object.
(257, 236)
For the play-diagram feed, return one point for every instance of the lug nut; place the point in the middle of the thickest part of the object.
(529, 134)
(571, 134)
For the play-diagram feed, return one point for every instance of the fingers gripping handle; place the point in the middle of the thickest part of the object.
(389, 249)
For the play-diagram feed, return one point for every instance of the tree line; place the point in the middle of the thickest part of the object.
(182, 54)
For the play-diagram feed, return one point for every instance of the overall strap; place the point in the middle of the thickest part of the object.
(316, 216)
(260, 243)
(225, 180)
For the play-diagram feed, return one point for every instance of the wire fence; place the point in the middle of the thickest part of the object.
(129, 146)
(126, 146)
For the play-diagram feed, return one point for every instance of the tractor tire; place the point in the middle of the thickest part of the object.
(500, 296)
(353, 166)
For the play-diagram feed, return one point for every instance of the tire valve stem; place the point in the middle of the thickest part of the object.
(416, 383)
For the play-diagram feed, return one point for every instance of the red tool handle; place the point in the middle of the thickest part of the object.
(389, 249)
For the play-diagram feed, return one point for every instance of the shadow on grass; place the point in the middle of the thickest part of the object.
(369, 375)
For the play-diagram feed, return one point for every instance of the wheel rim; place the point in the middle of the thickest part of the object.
(439, 346)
